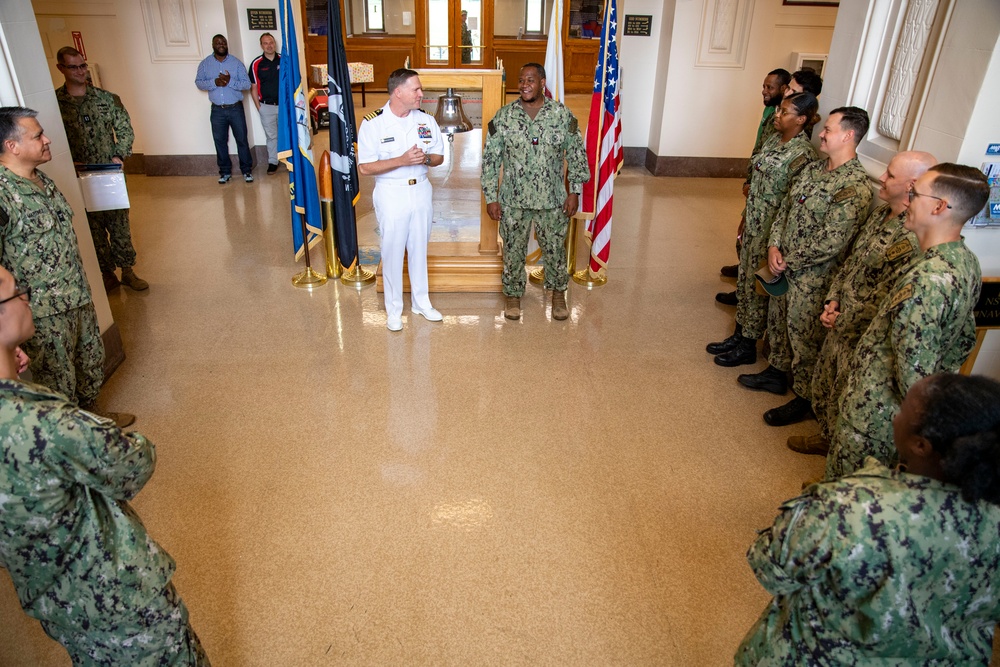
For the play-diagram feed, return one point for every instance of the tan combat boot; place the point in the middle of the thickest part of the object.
(813, 444)
(129, 279)
(513, 309)
(559, 309)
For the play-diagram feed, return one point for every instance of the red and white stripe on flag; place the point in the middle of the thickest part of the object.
(604, 143)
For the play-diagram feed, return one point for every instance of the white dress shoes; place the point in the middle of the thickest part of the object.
(430, 314)
(394, 324)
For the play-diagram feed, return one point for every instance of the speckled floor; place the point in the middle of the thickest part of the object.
(472, 492)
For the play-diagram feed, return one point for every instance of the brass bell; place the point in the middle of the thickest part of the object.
(450, 116)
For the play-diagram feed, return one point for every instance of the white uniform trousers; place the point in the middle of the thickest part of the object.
(404, 215)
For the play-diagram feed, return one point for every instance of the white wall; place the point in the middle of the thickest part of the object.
(714, 112)
(644, 67)
(32, 88)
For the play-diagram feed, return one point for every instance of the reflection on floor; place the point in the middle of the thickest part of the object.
(472, 492)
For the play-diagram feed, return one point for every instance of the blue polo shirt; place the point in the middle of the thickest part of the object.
(210, 68)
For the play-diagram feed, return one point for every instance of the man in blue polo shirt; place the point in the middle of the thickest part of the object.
(264, 93)
(225, 79)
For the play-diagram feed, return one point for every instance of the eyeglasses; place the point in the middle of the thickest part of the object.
(911, 194)
(18, 292)
(75, 67)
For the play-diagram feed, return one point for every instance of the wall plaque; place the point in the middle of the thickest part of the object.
(262, 19)
(987, 311)
(638, 25)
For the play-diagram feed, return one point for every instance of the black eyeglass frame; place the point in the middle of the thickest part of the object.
(18, 293)
(911, 193)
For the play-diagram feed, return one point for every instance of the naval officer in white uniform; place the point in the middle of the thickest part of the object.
(396, 145)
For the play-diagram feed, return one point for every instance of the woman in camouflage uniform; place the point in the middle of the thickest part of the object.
(781, 158)
(893, 567)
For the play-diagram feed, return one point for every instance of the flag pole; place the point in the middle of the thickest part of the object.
(333, 268)
(308, 278)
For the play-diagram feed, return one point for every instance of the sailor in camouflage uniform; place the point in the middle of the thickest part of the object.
(38, 244)
(784, 155)
(925, 325)
(530, 138)
(79, 556)
(881, 252)
(809, 239)
(99, 132)
(888, 567)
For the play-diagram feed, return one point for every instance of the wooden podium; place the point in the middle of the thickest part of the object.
(455, 266)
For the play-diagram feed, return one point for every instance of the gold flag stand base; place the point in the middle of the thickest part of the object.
(357, 277)
(584, 278)
(537, 277)
(308, 279)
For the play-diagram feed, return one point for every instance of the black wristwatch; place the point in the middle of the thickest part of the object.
(427, 159)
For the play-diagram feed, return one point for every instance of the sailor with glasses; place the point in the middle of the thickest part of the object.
(925, 324)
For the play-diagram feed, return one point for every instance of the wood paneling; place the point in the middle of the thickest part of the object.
(515, 53)
(384, 53)
(580, 60)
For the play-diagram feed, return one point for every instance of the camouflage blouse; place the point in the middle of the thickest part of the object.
(878, 568)
(74, 547)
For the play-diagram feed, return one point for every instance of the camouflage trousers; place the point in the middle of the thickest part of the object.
(751, 307)
(794, 329)
(830, 376)
(550, 226)
(67, 353)
(158, 635)
(849, 447)
(112, 239)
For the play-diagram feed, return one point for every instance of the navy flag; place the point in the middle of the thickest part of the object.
(343, 142)
(295, 139)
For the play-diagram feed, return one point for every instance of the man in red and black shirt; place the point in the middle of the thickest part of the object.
(264, 88)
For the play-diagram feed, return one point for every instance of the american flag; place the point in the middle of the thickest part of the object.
(604, 144)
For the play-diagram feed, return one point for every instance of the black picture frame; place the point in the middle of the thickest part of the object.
(811, 3)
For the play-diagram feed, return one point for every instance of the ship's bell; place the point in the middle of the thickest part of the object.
(450, 116)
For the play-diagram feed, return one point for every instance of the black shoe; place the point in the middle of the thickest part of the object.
(744, 353)
(272, 168)
(794, 411)
(727, 298)
(770, 379)
(724, 345)
(730, 271)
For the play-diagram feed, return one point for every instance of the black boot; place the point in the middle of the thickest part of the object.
(794, 411)
(744, 353)
(726, 345)
(730, 271)
(726, 298)
(770, 379)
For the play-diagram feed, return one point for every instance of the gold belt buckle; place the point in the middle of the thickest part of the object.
(412, 181)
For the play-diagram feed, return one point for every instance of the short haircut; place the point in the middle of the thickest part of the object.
(810, 81)
(854, 119)
(538, 68)
(267, 34)
(961, 421)
(782, 75)
(219, 35)
(399, 77)
(10, 123)
(66, 51)
(965, 188)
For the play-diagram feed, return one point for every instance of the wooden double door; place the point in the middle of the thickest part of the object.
(448, 34)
